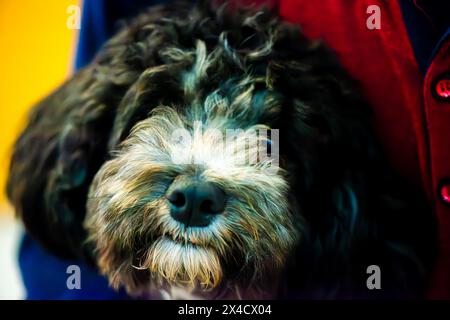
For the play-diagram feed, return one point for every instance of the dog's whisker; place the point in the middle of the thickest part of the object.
(139, 267)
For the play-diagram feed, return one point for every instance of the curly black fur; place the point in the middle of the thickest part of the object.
(358, 212)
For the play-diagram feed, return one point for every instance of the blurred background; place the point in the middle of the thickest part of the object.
(37, 49)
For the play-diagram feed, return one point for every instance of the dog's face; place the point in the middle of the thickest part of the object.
(192, 196)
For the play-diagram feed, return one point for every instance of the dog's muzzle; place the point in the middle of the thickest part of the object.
(195, 203)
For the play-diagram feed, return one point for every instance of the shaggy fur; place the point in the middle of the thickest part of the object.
(127, 201)
(90, 172)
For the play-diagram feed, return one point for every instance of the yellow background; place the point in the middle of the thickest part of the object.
(36, 51)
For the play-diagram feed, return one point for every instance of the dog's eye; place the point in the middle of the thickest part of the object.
(269, 147)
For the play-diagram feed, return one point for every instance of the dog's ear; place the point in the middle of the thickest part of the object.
(70, 134)
(56, 156)
(357, 210)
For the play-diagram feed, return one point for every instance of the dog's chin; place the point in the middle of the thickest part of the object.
(184, 270)
(183, 264)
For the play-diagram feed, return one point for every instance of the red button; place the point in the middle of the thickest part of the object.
(443, 88)
(445, 193)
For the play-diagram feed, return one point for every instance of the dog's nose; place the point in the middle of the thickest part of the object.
(195, 203)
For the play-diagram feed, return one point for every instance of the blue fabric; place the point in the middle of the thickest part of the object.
(428, 24)
(100, 20)
(45, 277)
(444, 39)
(93, 32)
(43, 274)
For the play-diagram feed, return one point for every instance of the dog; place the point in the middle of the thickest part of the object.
(123, 166)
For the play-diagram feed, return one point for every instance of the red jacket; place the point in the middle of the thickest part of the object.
(411, 113)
